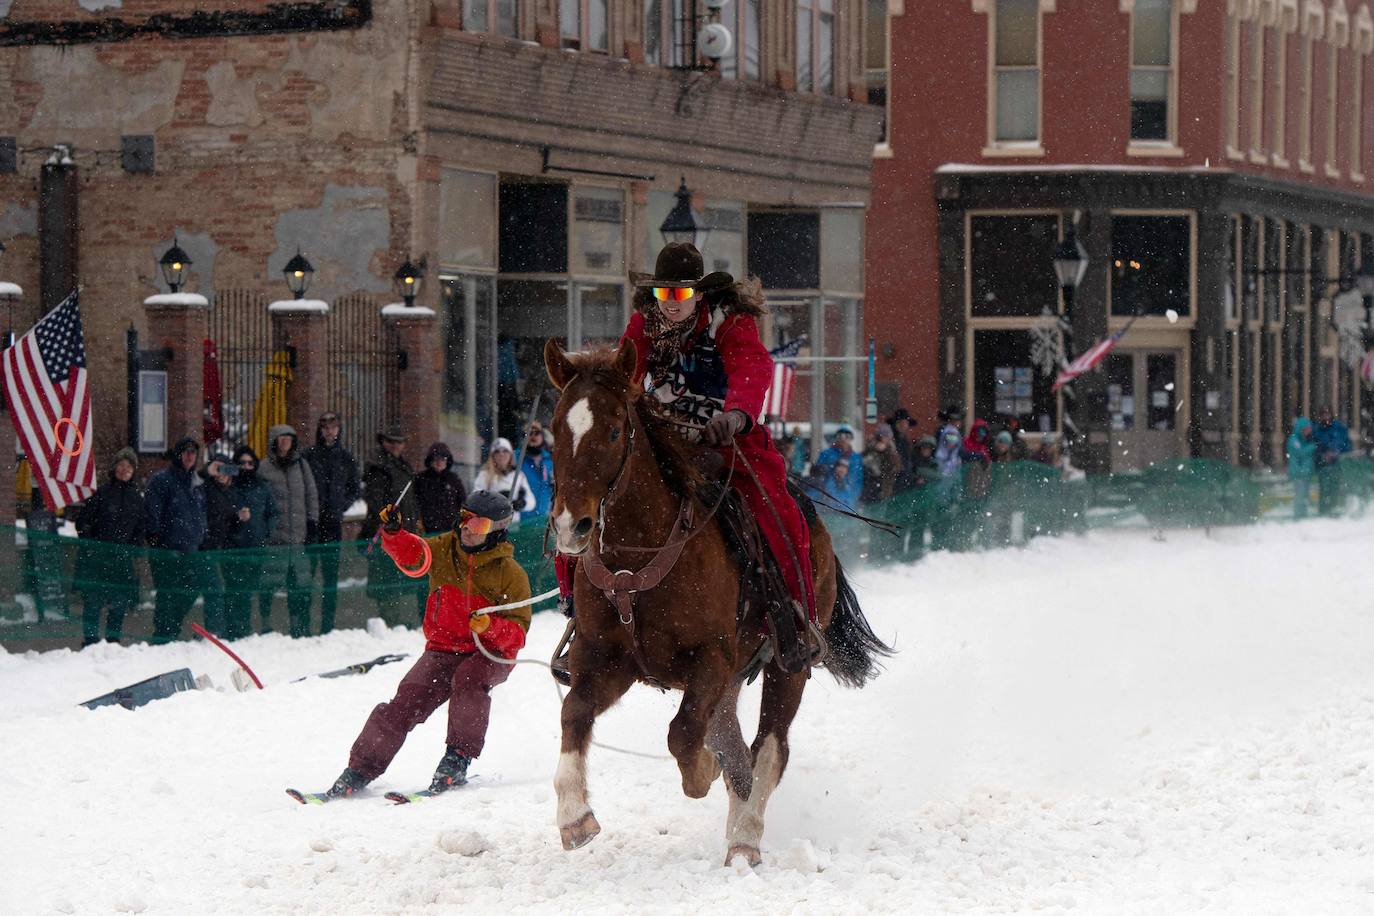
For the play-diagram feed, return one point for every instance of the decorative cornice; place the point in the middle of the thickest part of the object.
(1288, 15)
(1313, 18)
(1364, 31)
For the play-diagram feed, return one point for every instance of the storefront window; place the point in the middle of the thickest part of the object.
(533, 227)
(599, 228)
(467, 219)
(1006, 382)
(784, 249)
(1151, 265)
(1011, 265)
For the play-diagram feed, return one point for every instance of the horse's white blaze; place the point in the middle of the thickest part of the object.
(580, 420)
(744, 823)
(570, 783)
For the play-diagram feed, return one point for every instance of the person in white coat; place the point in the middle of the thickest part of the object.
(499, 475)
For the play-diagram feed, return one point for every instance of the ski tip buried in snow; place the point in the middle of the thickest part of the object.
(397, 798)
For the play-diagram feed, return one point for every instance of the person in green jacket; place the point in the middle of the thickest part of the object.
(1302, 450)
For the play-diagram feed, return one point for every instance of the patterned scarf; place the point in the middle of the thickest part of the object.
(666, 338)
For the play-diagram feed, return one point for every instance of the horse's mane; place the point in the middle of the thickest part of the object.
(676, 457)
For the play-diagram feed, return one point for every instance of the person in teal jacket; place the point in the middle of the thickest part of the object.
(1302, 451)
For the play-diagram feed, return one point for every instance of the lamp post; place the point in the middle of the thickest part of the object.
(1070, 264)
(174, 263)
(408, 281)
(9, 294)
(681, 224)
(298, 273)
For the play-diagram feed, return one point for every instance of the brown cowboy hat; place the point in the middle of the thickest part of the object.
(393, 434)
(679, 264)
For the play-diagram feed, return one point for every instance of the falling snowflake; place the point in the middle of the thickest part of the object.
(1047, 343)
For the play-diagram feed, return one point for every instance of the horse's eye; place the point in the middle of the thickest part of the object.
(615, 433)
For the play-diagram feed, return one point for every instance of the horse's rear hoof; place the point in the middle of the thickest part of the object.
(581, 833)
(750, 854)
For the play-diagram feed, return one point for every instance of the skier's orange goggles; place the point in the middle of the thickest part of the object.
(673, 293)
(476, 525)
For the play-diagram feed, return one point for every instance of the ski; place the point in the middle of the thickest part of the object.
(311, 798)
(405, 798)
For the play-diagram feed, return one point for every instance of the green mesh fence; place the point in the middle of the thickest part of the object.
(51, 586)
(49, 582)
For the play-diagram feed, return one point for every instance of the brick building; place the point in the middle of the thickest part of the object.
(525, 153)
(1216, 157)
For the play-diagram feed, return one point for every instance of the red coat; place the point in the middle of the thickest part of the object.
(463, 585)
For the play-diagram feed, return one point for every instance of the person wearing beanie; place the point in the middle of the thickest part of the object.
(174, 525)
(882, 466)
(256, 510)
(1001, 447)
(298, 512)
(222, 521)
(105, 573)
(538, 466)
(472, 569)
(500, 475)
(440, 491)
(337, 484)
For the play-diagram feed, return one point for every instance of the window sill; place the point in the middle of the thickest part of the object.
(1332, 172)
(1155, 150)
(1258, 157)
(1233, 153)
(1280, 163)
(882, 151)
(1011, 150)
(1305, 166)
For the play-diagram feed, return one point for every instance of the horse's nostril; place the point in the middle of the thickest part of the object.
(583, 528)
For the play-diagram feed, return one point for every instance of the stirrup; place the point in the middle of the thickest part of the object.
(558, 665)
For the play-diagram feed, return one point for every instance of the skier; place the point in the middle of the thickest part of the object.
(472, 568)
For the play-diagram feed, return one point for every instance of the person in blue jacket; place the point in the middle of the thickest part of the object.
(538, 468)
(1302, 450)
(1333, 441)
(174, 525)
(845, 485)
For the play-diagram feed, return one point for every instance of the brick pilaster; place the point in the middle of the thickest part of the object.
(304, 330)
(420, 381)
(7, 467)
(180, 323)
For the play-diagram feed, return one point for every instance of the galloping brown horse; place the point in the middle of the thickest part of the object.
(626, 481)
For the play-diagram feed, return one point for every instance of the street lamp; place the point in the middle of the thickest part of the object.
(1070, 264)
(682, 224)
(174, 264)
(298, 273)
(408, 280)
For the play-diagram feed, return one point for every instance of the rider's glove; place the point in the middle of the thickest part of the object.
(725, 426)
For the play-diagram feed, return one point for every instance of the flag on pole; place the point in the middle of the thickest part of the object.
(784, 374)
(1367, 366)
(50, 404)
(1088, 359)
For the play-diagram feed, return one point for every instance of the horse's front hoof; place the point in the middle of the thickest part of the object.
(581, 833)
(750, 854)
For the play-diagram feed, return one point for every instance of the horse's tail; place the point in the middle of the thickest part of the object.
(853, 647)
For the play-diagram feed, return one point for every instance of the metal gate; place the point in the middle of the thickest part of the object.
(364, 372)
(242, 331)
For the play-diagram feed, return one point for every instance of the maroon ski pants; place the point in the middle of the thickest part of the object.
(463, 681)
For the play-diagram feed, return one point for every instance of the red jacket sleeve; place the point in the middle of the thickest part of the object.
(634, 331)
(405, 548)
(748, 367)
(503, 637)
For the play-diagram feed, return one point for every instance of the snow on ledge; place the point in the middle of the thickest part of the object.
(186, 300)
(299, 306)
(10, 289)
(401, 310)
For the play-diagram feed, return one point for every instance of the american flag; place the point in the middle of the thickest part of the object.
(784, 374)
(1367, 366)
(50, 404)
(1087, 359)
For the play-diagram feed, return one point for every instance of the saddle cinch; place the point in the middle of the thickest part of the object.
(764, 600)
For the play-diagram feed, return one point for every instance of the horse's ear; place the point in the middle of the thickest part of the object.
(627, 358)
(560, 368)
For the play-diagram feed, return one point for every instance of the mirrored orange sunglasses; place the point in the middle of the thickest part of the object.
(673, 293)
(476, 525)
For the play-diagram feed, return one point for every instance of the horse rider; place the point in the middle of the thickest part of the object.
(700, 355)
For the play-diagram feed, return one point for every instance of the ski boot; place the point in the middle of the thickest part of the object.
(451, 772)
(349, 781)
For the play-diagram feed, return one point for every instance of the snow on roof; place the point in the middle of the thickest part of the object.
(189, 300)
(299, 306)
(10, 289)
(401, 310)
(955, 168)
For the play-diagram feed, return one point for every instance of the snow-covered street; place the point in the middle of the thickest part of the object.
(1100, 724)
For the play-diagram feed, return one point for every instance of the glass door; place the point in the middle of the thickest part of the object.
(1143, 408)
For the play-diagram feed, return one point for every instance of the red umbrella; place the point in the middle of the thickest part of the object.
(213, 420)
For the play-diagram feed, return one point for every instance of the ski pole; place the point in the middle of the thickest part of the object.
(377, 536)
(524, 444)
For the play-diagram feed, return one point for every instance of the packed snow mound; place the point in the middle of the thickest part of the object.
(1100, 724)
